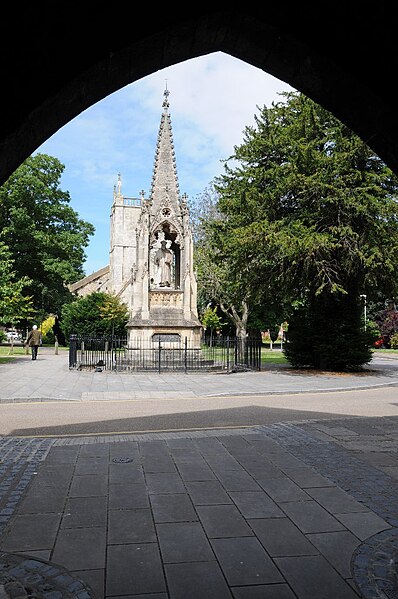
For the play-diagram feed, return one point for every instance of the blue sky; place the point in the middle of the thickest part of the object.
(212, 99)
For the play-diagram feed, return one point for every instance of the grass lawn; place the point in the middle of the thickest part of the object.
(7, 356)
(268, 356)
(272, 357)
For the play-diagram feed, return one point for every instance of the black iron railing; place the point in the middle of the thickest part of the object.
(218, 354)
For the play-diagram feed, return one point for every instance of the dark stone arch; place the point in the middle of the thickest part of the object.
(57, 64)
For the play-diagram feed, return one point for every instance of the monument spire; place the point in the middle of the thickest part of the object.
(165, 187)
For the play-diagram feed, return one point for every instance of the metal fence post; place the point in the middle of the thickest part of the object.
(160, 352)
(72, 351)
(106, 355)
(186, 355)
(260, 345)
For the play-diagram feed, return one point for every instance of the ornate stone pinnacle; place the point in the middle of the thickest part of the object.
(166, 94)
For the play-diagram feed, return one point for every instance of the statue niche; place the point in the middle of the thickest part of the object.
(165, 264)
(164, 259)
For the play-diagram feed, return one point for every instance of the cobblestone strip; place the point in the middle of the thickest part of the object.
(19, 460)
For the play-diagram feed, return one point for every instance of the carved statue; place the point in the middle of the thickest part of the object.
(164, 260)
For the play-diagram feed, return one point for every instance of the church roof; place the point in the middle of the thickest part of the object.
(89, 279)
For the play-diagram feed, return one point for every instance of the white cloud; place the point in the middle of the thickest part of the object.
(218, 93)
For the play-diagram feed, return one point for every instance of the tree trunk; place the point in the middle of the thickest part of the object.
(240, 323)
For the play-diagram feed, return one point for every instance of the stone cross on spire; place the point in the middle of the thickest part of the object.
(166, 94)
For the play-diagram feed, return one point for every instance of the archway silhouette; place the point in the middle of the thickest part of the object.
(58, 61)
(55, 65)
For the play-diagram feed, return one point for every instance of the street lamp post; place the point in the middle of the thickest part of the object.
(363, 296)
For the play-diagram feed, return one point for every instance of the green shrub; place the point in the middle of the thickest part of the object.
(394, 341)
(49, 338)
(328, 334)
(97, 314)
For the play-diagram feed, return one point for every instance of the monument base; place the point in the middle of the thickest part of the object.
(169, 337)
(167, 323)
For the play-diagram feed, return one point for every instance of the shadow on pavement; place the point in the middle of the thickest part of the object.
(245, 416)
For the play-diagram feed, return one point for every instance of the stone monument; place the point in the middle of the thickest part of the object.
(151, 255)
(163, 286)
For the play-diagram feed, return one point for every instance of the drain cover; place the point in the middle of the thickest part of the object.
(24, 577)
(122, 460)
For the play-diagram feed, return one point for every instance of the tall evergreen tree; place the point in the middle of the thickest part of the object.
(307, 209)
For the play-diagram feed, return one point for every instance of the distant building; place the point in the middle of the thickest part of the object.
(97, 281)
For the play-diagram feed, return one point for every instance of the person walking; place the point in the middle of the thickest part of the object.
(33, 340)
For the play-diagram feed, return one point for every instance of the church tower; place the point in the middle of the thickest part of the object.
(125, 214)
(163, 294)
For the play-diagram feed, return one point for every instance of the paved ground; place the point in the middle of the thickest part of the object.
(297, 508)
(50, 378)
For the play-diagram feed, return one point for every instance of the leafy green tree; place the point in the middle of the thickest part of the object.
(373, 329)
(212, 321)
(215, 283)
(97, 314)
(309, 210)
(45, 235)
(221, 279)
(115, 313)
(202, 211)
(15, 304)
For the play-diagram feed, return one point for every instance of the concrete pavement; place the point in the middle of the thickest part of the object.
(50, 378)
(305, 509)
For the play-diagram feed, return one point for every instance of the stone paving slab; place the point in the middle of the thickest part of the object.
(284, 511)
(313, 526)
